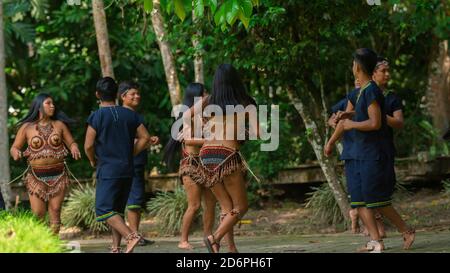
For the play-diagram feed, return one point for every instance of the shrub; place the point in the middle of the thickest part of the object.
(169, 208)
(79, 210)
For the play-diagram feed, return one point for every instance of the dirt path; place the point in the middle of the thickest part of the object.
(426, 242)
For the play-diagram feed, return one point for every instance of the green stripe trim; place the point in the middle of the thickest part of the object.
(105, 216)
(134, 207)
(357, 204)
(379, 204)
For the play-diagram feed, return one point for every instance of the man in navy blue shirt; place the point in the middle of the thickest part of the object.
(130, 97)
(110, 147)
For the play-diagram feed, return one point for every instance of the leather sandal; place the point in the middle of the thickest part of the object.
(408, 238)
(210, 245)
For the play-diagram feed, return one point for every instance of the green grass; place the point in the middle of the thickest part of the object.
(22, 232)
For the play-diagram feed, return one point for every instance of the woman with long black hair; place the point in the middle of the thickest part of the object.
(191, 177)
(46, 132)
(223, 165)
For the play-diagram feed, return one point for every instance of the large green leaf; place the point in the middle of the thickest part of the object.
(219, 17)
(247, 7)
(199, 7)
(148, 5)
(232, 11)
(213, 5)
(179, 9)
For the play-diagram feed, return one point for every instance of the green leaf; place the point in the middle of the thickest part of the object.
(199, 7)
(232, 11)
(246, 7)
(179, 9)
(213, 5)
(219, 17)
(148, 5)
(245, 20)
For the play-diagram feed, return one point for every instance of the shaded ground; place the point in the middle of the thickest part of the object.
(289, 227)
(426, 242)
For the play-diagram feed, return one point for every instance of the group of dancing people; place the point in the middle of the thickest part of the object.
(115, 145)
(211, 167)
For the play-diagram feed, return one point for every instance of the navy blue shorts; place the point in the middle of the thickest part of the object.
(370, 182)
(111, 195)
(136, 198)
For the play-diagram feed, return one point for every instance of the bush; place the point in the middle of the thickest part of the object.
(79, 210)
(169, 208)
(22, 232)
(325, 209)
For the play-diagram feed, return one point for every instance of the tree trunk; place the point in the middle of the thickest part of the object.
(4, 143)
(166, 54)
(328, 165)
(438, 91)
(198, 60)
(101, 31)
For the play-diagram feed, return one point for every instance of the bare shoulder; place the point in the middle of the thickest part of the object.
(26, 127)
(59, 124)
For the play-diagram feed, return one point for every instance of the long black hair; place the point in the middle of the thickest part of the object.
(367, 59)
(173, 146)
(37, 106)
(228, 89)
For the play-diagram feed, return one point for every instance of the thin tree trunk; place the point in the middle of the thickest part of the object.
(328, 165)
(438, 91)
(4, 143)
(101, 31)
(166, 54)
(198, 60)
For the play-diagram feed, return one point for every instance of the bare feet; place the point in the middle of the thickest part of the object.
(185, 245)
(408, 238)
(354, 217)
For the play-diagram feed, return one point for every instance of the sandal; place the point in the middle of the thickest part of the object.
(210, 245)
(132, 240)
(115, 249)
(373, 246)
(408, 238)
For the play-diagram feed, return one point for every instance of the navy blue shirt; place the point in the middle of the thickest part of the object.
(141, 159)
(392, 103)
(115, 128)
(347, 139)
(368, 145)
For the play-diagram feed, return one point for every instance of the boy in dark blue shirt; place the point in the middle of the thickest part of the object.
(110, 146)
(370, 188)
(394, 120)
(130, 97)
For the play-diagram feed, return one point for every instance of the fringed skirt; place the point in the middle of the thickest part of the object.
(46, 181)
(190, 166)
(218, 162)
